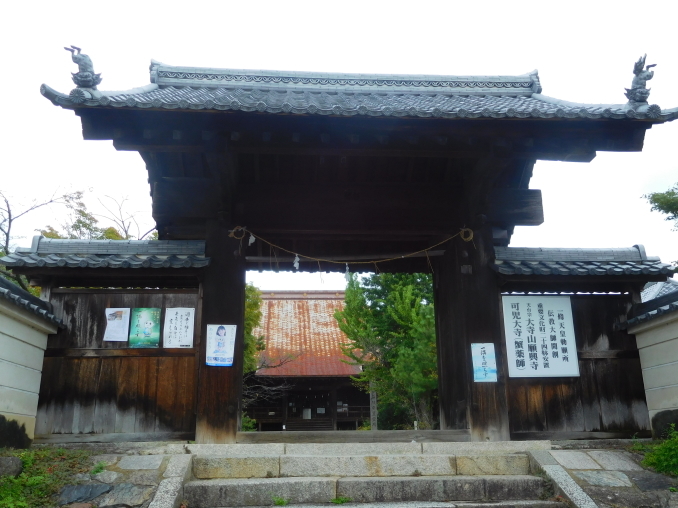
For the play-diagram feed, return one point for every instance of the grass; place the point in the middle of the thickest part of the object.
(341, 500)
(663, 458)
(45, 472)
(99, 468)
(280, 501)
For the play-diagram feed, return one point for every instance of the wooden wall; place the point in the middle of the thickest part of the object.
(608, 398)
(94, 387)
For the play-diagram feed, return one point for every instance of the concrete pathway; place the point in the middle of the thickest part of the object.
(606, 479)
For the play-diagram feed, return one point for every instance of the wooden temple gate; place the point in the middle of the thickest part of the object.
(350, 168)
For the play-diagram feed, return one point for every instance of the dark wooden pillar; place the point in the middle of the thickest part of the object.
(333, 407)
(285, 403)
(223, 302)
(468, 309)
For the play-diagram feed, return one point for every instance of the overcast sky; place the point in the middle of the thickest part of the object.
(584, 52)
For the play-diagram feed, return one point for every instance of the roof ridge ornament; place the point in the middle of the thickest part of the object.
(639, 93)
(85, 77)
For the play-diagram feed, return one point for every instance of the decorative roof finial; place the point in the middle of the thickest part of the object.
(85, 77)
(639, 91)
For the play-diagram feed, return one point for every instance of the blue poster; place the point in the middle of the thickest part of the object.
(484, 363)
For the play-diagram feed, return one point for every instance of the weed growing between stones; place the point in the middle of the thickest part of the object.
(99, 468)
(45, 472)
(341, 500)
(664, 457)
(280, 501)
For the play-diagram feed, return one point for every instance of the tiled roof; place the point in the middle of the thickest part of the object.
(27, 301)
(664, 301)
(51, 253)
(300, 328)
(658, 289)
(189, 88)
(542, 261)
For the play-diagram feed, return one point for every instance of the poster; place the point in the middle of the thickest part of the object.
(117, 325)
(178, 330)
(220, 345)
(540, 338)
(484, 363)
(145, 328)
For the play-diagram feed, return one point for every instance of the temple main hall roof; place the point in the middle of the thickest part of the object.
(314, 93)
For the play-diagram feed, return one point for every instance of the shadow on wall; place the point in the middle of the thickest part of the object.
(12, 435)
(662, 421)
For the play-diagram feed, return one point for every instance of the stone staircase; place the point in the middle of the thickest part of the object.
(448, 474)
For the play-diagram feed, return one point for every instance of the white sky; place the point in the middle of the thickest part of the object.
(584, 52)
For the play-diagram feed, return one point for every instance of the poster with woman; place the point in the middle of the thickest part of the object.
(220, 345)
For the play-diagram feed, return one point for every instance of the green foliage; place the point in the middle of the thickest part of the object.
(247, 424)
(341, 500)
(280, 501)
(82, 224)
(98, 468)
(45, 472)
(389, 319)
(666, 203)
(253, 344)
(664, 457)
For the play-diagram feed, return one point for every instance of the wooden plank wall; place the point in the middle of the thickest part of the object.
(608, 398)
(94, 387)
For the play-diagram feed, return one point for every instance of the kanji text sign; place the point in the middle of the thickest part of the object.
(540, 336)
(484, 363)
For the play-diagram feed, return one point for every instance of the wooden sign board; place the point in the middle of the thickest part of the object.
(540, 338)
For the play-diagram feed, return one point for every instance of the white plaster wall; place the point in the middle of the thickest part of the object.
(23, 340)
(658, 347)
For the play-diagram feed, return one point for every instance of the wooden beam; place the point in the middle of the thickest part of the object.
(112, 437)
(126, 352)
(223, 302)
(516, 207)
(186, 198)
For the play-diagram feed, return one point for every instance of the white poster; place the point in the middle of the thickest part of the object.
(178, 329)
(220, 345)
(117, 325)
(484, 363)
(540, 336)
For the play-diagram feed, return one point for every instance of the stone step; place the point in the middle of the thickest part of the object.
(214, 466)
(263, 491)
(320, 449)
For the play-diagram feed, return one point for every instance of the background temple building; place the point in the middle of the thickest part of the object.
(303, 338)
(328, 172)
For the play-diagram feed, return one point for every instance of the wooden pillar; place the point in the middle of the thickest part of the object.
(285, 403)
(223, 302)
(333, 407)
(468, 310)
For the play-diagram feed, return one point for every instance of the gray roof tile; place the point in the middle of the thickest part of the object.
(189, 88)
(583, 262)
(51, 253)
(25, 300)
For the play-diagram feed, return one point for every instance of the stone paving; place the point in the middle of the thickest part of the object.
(608, 479)
(143, 481)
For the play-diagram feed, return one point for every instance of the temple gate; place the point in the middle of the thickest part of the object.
(332, 172)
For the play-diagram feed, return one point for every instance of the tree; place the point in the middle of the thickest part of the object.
(389, 321)
(666, 203)
(8, 217)
(253, 344)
